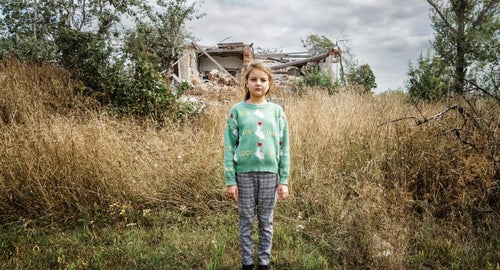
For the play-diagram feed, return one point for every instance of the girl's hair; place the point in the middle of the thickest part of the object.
(258, 65)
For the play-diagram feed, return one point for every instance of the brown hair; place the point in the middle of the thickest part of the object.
(258, 65)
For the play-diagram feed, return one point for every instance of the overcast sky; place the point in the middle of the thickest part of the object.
(386, 34)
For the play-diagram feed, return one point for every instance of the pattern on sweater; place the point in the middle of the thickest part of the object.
(256, 139)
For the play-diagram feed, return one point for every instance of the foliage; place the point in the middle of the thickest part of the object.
(28, 49)
(317, 44)
(430, 80)
(363, 75)
(312, 78)
(82, 36)
(142, 92)
(29, 29)
(467, 38)
(148, 93)
(87, 56)
(23, 35)
(161, 39)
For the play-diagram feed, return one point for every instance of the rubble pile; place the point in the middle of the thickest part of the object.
(220, 86)
(221, 78)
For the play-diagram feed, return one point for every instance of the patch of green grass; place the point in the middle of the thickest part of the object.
(444, 246)
(193, 243)
(166, 239)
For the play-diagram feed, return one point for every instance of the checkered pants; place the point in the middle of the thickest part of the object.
(256, 191)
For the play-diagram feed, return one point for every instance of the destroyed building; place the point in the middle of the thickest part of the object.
(224, 63)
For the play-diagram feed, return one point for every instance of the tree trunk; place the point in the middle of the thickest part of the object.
(460, 10)
(35, 20)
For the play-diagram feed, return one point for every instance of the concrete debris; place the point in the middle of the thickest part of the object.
(381, 247)
(220, 78)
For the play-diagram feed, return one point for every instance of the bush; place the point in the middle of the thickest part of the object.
(142, 92)
(87, 57)
(28, 49)
(313, 78)
(148, 94)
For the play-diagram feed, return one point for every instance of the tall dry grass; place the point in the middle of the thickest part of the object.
(61, 159)
(362, 171)
(369, 190)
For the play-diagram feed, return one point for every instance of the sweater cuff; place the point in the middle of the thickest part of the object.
(283, 181)
(230, 182)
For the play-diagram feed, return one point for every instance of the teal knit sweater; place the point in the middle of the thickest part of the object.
(256, 140)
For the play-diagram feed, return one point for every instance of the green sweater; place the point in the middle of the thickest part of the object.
(256, 140)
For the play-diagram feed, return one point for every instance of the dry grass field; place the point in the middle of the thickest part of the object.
(371, 187)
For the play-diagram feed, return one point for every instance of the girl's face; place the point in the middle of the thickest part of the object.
(258, 83)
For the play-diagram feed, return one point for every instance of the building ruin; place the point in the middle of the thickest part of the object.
(224, 63)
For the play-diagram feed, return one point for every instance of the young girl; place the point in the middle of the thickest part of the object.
(256, 162)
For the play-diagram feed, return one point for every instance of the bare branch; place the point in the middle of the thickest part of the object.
(399, 119)
(420, 122)
(425, 120)
(482, 90)
(456, 132)
(441, 15)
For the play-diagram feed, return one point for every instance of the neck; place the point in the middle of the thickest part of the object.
(256, 100)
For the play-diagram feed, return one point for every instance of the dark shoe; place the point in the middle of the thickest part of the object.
(247, 267)
(263, 267)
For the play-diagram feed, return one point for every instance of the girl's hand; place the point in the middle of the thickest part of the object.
(232, 192)
(282, 192)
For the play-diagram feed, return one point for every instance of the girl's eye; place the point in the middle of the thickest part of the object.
(257, 79)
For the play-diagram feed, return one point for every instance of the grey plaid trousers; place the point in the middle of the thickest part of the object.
(256, 192)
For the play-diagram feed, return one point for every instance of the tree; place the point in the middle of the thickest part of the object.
(85, 37)
(29, 28)
(161, 40)
(429, 79)
(317, 44)
(466, 35)
(363, 76)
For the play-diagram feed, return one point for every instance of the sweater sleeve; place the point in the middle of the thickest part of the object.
(231, 133)
(284, 164)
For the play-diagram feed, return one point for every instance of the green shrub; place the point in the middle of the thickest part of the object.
(142, 92)
(28, 49)
(313, 77)
(148, 94)
(87, 56)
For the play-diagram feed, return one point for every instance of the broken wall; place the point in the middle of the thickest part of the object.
(330, 66)
(187, 66)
